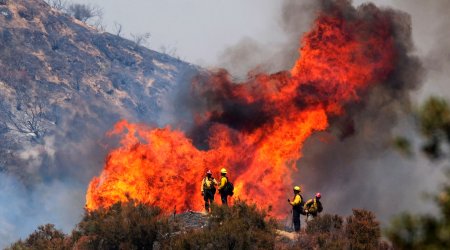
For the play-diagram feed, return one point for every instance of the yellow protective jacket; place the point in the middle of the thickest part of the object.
(223, 181)
(313, 206)
(208, 183)
(297, 200)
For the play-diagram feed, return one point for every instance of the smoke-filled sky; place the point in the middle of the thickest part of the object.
(199, 31)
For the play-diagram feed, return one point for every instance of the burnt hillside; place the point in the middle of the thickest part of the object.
(63, 84)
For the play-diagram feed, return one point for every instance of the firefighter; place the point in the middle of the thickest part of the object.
(297, 208)
(313, 206)
(223, 182)
(208, 189)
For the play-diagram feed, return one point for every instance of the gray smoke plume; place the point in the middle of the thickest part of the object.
(432, 36)
(252, 56)
(363, 170)
(354, 163)
(22, 209)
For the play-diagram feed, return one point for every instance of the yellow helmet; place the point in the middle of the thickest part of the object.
(297, 188)
(223, 171)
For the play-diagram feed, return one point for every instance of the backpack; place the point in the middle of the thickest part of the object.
(229, 188)
(302, 205)
(213, 188)
(319, 207)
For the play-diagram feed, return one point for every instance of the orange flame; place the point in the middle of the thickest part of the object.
(339, 60)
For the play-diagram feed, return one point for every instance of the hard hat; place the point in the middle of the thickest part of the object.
(208, 172)
(297, 188)
(318, 195)
(223, 171)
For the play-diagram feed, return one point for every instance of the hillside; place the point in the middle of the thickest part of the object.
(63, 84)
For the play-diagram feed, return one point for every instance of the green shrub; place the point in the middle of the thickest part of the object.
(423, 231)
(434, 121)
(434, 116)
(404, 232)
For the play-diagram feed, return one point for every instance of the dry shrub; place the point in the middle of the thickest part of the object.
(241, 226)
(45, 237)
(326, 223)
(360, 231)
(323, 232)
(363, 230)
(123, 226)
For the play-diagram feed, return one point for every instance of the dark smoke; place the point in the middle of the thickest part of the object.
(217, 95)
(356, 166)
(432, 35)
(363, 170)
(385, 99)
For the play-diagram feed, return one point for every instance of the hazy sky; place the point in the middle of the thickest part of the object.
(199, 29)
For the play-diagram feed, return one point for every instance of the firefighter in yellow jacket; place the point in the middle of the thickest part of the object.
(208, 189)
(223, 182)
(297, 207)
(313, 206)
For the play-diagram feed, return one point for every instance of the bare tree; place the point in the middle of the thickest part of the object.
(84, 12)
(30, 123)
(117, 28)
(169, 50)
(28, 119)
(140, 39)
(58, 4)
(99, 25)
